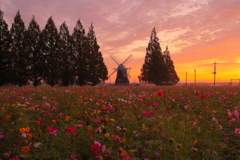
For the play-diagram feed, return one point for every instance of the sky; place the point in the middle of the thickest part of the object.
(198, 33)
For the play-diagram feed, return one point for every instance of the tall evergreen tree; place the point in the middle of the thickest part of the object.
(67, 58)
(34, 49)
(81, 53)
(51, 53)
(154, 69)
(5, 54)
(97, 69)
(20, 54)
(173, 77)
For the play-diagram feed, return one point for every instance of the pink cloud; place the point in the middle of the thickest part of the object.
(210, 28)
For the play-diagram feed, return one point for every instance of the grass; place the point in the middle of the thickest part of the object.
(120, 123)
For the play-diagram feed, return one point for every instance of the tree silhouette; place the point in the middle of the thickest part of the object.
(19, 50)
(34, 46)
(5, 54)
(154, 69)
(51, 53)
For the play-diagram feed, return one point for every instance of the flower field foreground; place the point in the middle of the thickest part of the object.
(146, 123)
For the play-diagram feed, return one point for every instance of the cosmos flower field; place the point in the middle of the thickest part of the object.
(120, 122)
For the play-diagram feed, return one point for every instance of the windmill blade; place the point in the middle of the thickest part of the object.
(112, 73)
(114, 60)
(127, 59)
(128, 73)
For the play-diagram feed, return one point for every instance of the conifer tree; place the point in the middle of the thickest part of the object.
(67, 60)
(34, 48)
(97, 69)
(173, 77)
(154, 69)
(51, 53)
(5, 54)
(20, 54)
(81, 53)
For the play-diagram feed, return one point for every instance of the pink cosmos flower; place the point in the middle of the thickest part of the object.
(52, 130)
(118, 128)
(90, 134)
(7, 154)
(40, 123)
(99, 129)
(159, 93)
(214, 120)
(237, 131)
(145, 113)
(168, 112)
(126, 157)
(95, 148)
(157, 154)
(117, 138)
(163, 134)
(70, 130)
(98, 121)
(37, 144)
(74, 156)
(78, 125)
(104, 148)
(196, 92)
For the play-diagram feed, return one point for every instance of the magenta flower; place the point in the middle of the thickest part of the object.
(196, 92)
(117, 138)
(95, 148)
(237, 131)
(159, 93)
(70, 130)
(78, 125)
(168, 112)
(163, 134)
(40, 123)
(52, 130)
(98, 121)
(145, 113)
(74, 156)
(157, 154)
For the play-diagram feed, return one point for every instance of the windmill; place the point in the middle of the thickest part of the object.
(122, 72)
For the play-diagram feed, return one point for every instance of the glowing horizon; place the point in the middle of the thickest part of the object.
(196, 32)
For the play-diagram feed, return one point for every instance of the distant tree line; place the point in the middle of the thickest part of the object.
(30, 55)
(158, 67)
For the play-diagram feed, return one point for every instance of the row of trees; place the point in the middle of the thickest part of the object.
(51, 56)
(158, 67)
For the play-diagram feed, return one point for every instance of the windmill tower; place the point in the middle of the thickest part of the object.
(122, 72)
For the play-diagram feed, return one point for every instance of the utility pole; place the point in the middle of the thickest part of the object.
(195, 76)
(214, 73)
(186, 79)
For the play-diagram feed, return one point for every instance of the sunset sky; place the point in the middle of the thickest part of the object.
(197, 32)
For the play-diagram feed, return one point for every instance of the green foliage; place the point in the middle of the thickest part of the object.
(97, 69)
(5, 54)
(173, 77)
(61, 59)
(67, 59)
(51, 52)
(34, 46)
(157, 68)
(82, 54)
(20, 55)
